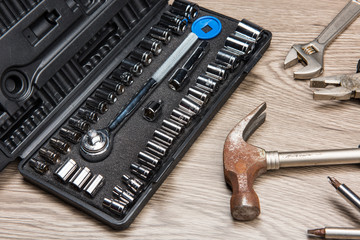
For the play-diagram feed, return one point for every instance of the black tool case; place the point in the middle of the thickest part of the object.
(56, 54)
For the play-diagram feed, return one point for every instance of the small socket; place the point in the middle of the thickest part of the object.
(134, 184)
(123, 76)
(143, 56)
(124, 195)
(80, 178)
(152, 45)
(199, 94)
(94, 185)
(79, 124)
(216, 71)
(156, 148)
(141, 171)
(172, 127)
(115, 206)
(49, 156)
(114, 86)
(190, 105)
(106, 95)
(39, 166)
(88, 115)
(152, 110)
(207, 83)
(180, 116)
(70, 135)
(161, 34)
(97, 104)
(60, 146)
(65, 171)
(149, 160)
(164, 138)
(132, 66)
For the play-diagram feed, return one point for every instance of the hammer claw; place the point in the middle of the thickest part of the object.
(243, 162)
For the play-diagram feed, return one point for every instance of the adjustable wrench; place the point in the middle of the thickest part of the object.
(312, 53)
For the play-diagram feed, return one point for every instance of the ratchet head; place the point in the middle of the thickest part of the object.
(311, 55)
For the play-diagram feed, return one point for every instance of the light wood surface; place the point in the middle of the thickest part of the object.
(193, 203)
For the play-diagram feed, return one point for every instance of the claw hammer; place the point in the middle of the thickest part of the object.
(244, 162)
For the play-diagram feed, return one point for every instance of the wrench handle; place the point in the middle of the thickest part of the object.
(344, 18)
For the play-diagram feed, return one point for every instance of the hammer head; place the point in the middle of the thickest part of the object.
(242, 164)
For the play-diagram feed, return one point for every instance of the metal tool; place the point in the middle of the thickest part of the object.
(249, 30)
(70, 135)
(244, 162)
(123, 194)
(65, 171)
(97, 104)
(346, 87)
(156, 148)
(134, 184)
(104, 137)
(207, 83)
(312, 54)
(216, 71)
(94, 185)
(175, 23)
(152, 110)
(145, 57)
(180, 116)
(38, 166)
(172, 127)
(123, 76)
(79, 124)
(106, 95)
(190, 105)
(163, 137)
(242, 45)
(49, 156)
(114, 86)
(161, 34)
(132, 66)
(345, 192)
(60, 146)
(141, 171)
(152, 45)
(199, 94)
(335, 233)
(181, 76)
(149, 160)
(81, 176)
(228, 59)
(115, 206)
(88, 115)
(185, 8)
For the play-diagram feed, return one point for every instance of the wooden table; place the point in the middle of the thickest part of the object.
(193, 203)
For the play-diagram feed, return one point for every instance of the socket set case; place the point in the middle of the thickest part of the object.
(73, 65)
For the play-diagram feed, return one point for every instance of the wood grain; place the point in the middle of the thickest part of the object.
(193, 203)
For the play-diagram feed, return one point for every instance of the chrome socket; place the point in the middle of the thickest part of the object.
(97, 104)
(199, 94)
(135, 185)
(152, 45)
(177, 24)
(115, 206)
(216, 71)
(239, 44)
(179, 115)
(132, 66)
(123, 195)
(161, 34)
(148, 159)
(122, 76)
(249, 29)
(164, 138)
(145, 57)
(94, 185)
(172, 127)
(190, 104)
(141, 171)
(71, 136)
(65, 171)
(80, 178)
(60, 146)
(152, 110)
(179, 79)
(156, 148)
(185, 8)
(228, 59)
(49, 156)
(112, 85)
(88, 115)
(38, 166)
(79, 124)
(106, 95)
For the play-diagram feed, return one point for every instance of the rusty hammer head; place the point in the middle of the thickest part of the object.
(242, 164)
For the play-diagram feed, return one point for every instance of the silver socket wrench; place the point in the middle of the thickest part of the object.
(207, 83)
(115, 206)
(249, 30)
(135, 185)
(190, 105)
(156, 148)
(216, 71)
(199, 94)
(141, 171)
(163, 137)
(123, 194)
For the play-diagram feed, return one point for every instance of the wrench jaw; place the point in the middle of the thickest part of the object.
(310, 56)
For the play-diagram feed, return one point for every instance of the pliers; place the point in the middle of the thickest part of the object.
(347, 86)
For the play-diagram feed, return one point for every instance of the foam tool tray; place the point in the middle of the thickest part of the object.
(69, 68)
